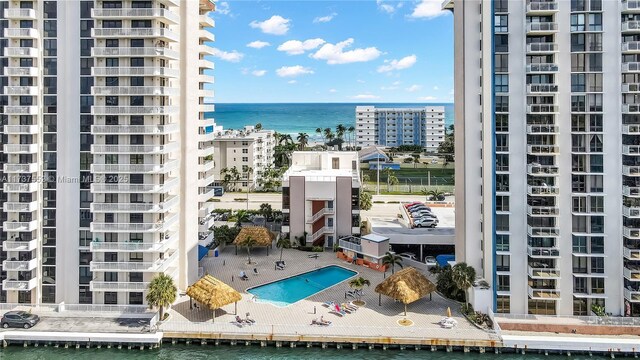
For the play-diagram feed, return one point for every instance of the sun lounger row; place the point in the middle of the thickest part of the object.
(340, 309)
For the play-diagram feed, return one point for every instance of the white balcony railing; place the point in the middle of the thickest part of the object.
(16, 265)
(9, 245)
(542, 129)
(134, 110)
(631, 211)
(322, 212)
(543, 190)
(631, 26)
(544, 294)
(20, 52)
(632, 295)
(155, 207)
(20, 168)
(118, 286)
(631, 66)
(135, 129)
(135, 168)
(631, 46)
(21, 71)
(538, 252)
(544, 273)
(158, 33)
(541, 88)
(134, 51)
(11, 206)
(207, 21)
(20, 225)
(21, 90)
(160, 247)
(542, 27)
(631, 170)
(27, 33)
(631, 254)
(350, 246)
(631, 6)
(542, 170)
(19, 285)
(168, 185)
(543, 210)
(535, 6)
(542, 108)
(159, 265)
(148, 227)
(20, 129)
(20, 148)
(542, 149)
(631, 191)
(134, 149)
(631, 233)
(21, 110)
(20, 14)
(542, 47)
(316, 235)
(134, 90)
(631, 149)
(631, 274)
(135, 71)
(151, 13)
(543, 231)
(20, 187)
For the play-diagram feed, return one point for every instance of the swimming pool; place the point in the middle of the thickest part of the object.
(290, 290)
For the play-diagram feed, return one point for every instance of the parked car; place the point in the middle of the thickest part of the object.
(412, 204)
(430, 261)
(425, 222)
(418, 207)
(19, 319)
(408, 255)
(421, 213)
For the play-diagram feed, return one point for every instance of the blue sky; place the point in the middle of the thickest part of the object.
(333, 51)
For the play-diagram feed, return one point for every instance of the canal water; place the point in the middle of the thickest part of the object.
(209, 352)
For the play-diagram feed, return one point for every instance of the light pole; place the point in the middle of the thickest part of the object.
(378, 178)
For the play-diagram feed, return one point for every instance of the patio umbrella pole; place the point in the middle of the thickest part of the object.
(405, 310)
(236, 308)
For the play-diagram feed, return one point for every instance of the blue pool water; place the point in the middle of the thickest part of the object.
(287, 291)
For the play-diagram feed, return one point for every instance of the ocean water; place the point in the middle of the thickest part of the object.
(295, 118)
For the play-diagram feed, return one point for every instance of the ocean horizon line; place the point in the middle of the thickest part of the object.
(328, 103)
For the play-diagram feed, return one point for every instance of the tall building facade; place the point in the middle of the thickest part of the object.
(422, 126)
(244, 154)
(103, 111)
(547, 161)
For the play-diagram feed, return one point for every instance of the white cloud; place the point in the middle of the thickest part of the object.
(258, 44)
(324, 19)
(276, 25)
(428, 9)
(232, 56)
(223, 8)
(404, 63)
(386, 88)
(365, 97)
(385, 7)
(414, 88)
(291, 82)
(335, 54)
(396, 83)
(427, 98)
(291, 71)
(258, 72)
(436, 88)
(361, 81)
(333, 90)
(297, 47)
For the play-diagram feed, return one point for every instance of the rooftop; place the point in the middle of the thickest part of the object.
(324, 165)
(375, 238)
(249, 133)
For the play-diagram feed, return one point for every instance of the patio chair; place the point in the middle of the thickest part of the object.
(329, 304)
(255, 271)
(243, 276)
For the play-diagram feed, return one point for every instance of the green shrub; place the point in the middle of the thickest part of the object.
(306, 248)
(214, 200)
(393, 202)
(239, 199)
(317, 249)
(378, 202)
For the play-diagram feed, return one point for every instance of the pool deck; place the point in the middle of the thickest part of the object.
(370, 324)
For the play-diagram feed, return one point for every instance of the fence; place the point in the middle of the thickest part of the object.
(80, 309)
(496, 326)
(408, 188)
(586, 320)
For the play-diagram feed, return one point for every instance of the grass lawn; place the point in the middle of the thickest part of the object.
(439, 176)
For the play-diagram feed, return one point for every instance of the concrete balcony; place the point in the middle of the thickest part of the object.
(15, 265)
(543, 273)
(157, 266)
(12, 206)
(205, 238)
(542, 28)
(206, 64)
(20, 129)
(544, 294)
(542, 129)
(542, 108)
(20, 14)
(21, 52)
(19, 33)
(630, 87)
(206, 107)
(135, 168)
(207, 21)
(206, 79)
(631, 254)
(632, 212)
(543, 231)
(20, 225)
(168, 185)
(206, 178)
(206, 93)
(205, 193)
(632, 295)
(631, 6)
(543, 211)
(545, 48)
(21, 71)
(631, 191)
(631, 47)
(135, 129)
(18, 285)
(21, 110)
(206, 166)
(320, 214)
(136, 33)
(542, 170)
(20, 187)
(545, 7)
(542, 149)
(20, 148)
(204, 49)
(541, 88)
(156, 207)
(206, 150)
(160, 52)
(631, 150)
(134, 149)
(350, 246)
(156, 247)
(205, 224)
(631, 26)
(543, 253)
(8, 245)
(134, 110)
(134, 90)
(631, 274)
(137, 14)
(149, 227)
(631, 67)
(21, 90)
(631, 129)
(20, 168)
(205, 209)
(169, 2)
(542, 68)
(206, 35)
(630, 233)
(118, 286)
(136, 71)
(630, 170)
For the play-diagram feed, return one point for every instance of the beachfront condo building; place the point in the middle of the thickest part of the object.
(241, 157)
(321, 197)
(547, 97)
(104, 136)
(393, 127)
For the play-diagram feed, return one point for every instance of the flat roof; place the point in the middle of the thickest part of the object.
(375, 238)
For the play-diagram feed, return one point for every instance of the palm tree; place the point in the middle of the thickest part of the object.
(281, 244)
(463, 276)
(286, 139)
(433, 195)
(161, 293)
(391, 259)
(319, 131)
(230, 177)
(241, 216)
(365, 201)
(416, 159)
(351, 131)
(258, 126)
(327, 134)
(303, 140)
(249, 243)
(391, 179)
(358, 284)
(340, 131)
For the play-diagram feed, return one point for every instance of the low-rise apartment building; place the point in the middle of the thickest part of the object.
(321, 196)
(422, 126)
(249, 151)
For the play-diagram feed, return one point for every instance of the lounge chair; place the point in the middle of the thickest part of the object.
(255, 271)
(346, 309)
(341, 314)
(329, 304)
(350, 293)
(249, 320)
(314, 256)
(243, 276)
(320, 322)
(350, 306)
(338, 310)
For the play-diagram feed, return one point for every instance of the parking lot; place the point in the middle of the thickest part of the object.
(89, 325)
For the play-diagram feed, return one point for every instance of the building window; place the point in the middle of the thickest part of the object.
(501, 83)
(335, 163)
(501, 23)
(502, 222)
(502, 242)
(501, 62)
(503, 303)
(135, 298)
(111, 298)
(503, 283)
(285, 198)
(577, 22)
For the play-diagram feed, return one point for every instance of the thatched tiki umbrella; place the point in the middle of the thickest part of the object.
(213, 293)
(261, 235)
(406, 286)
